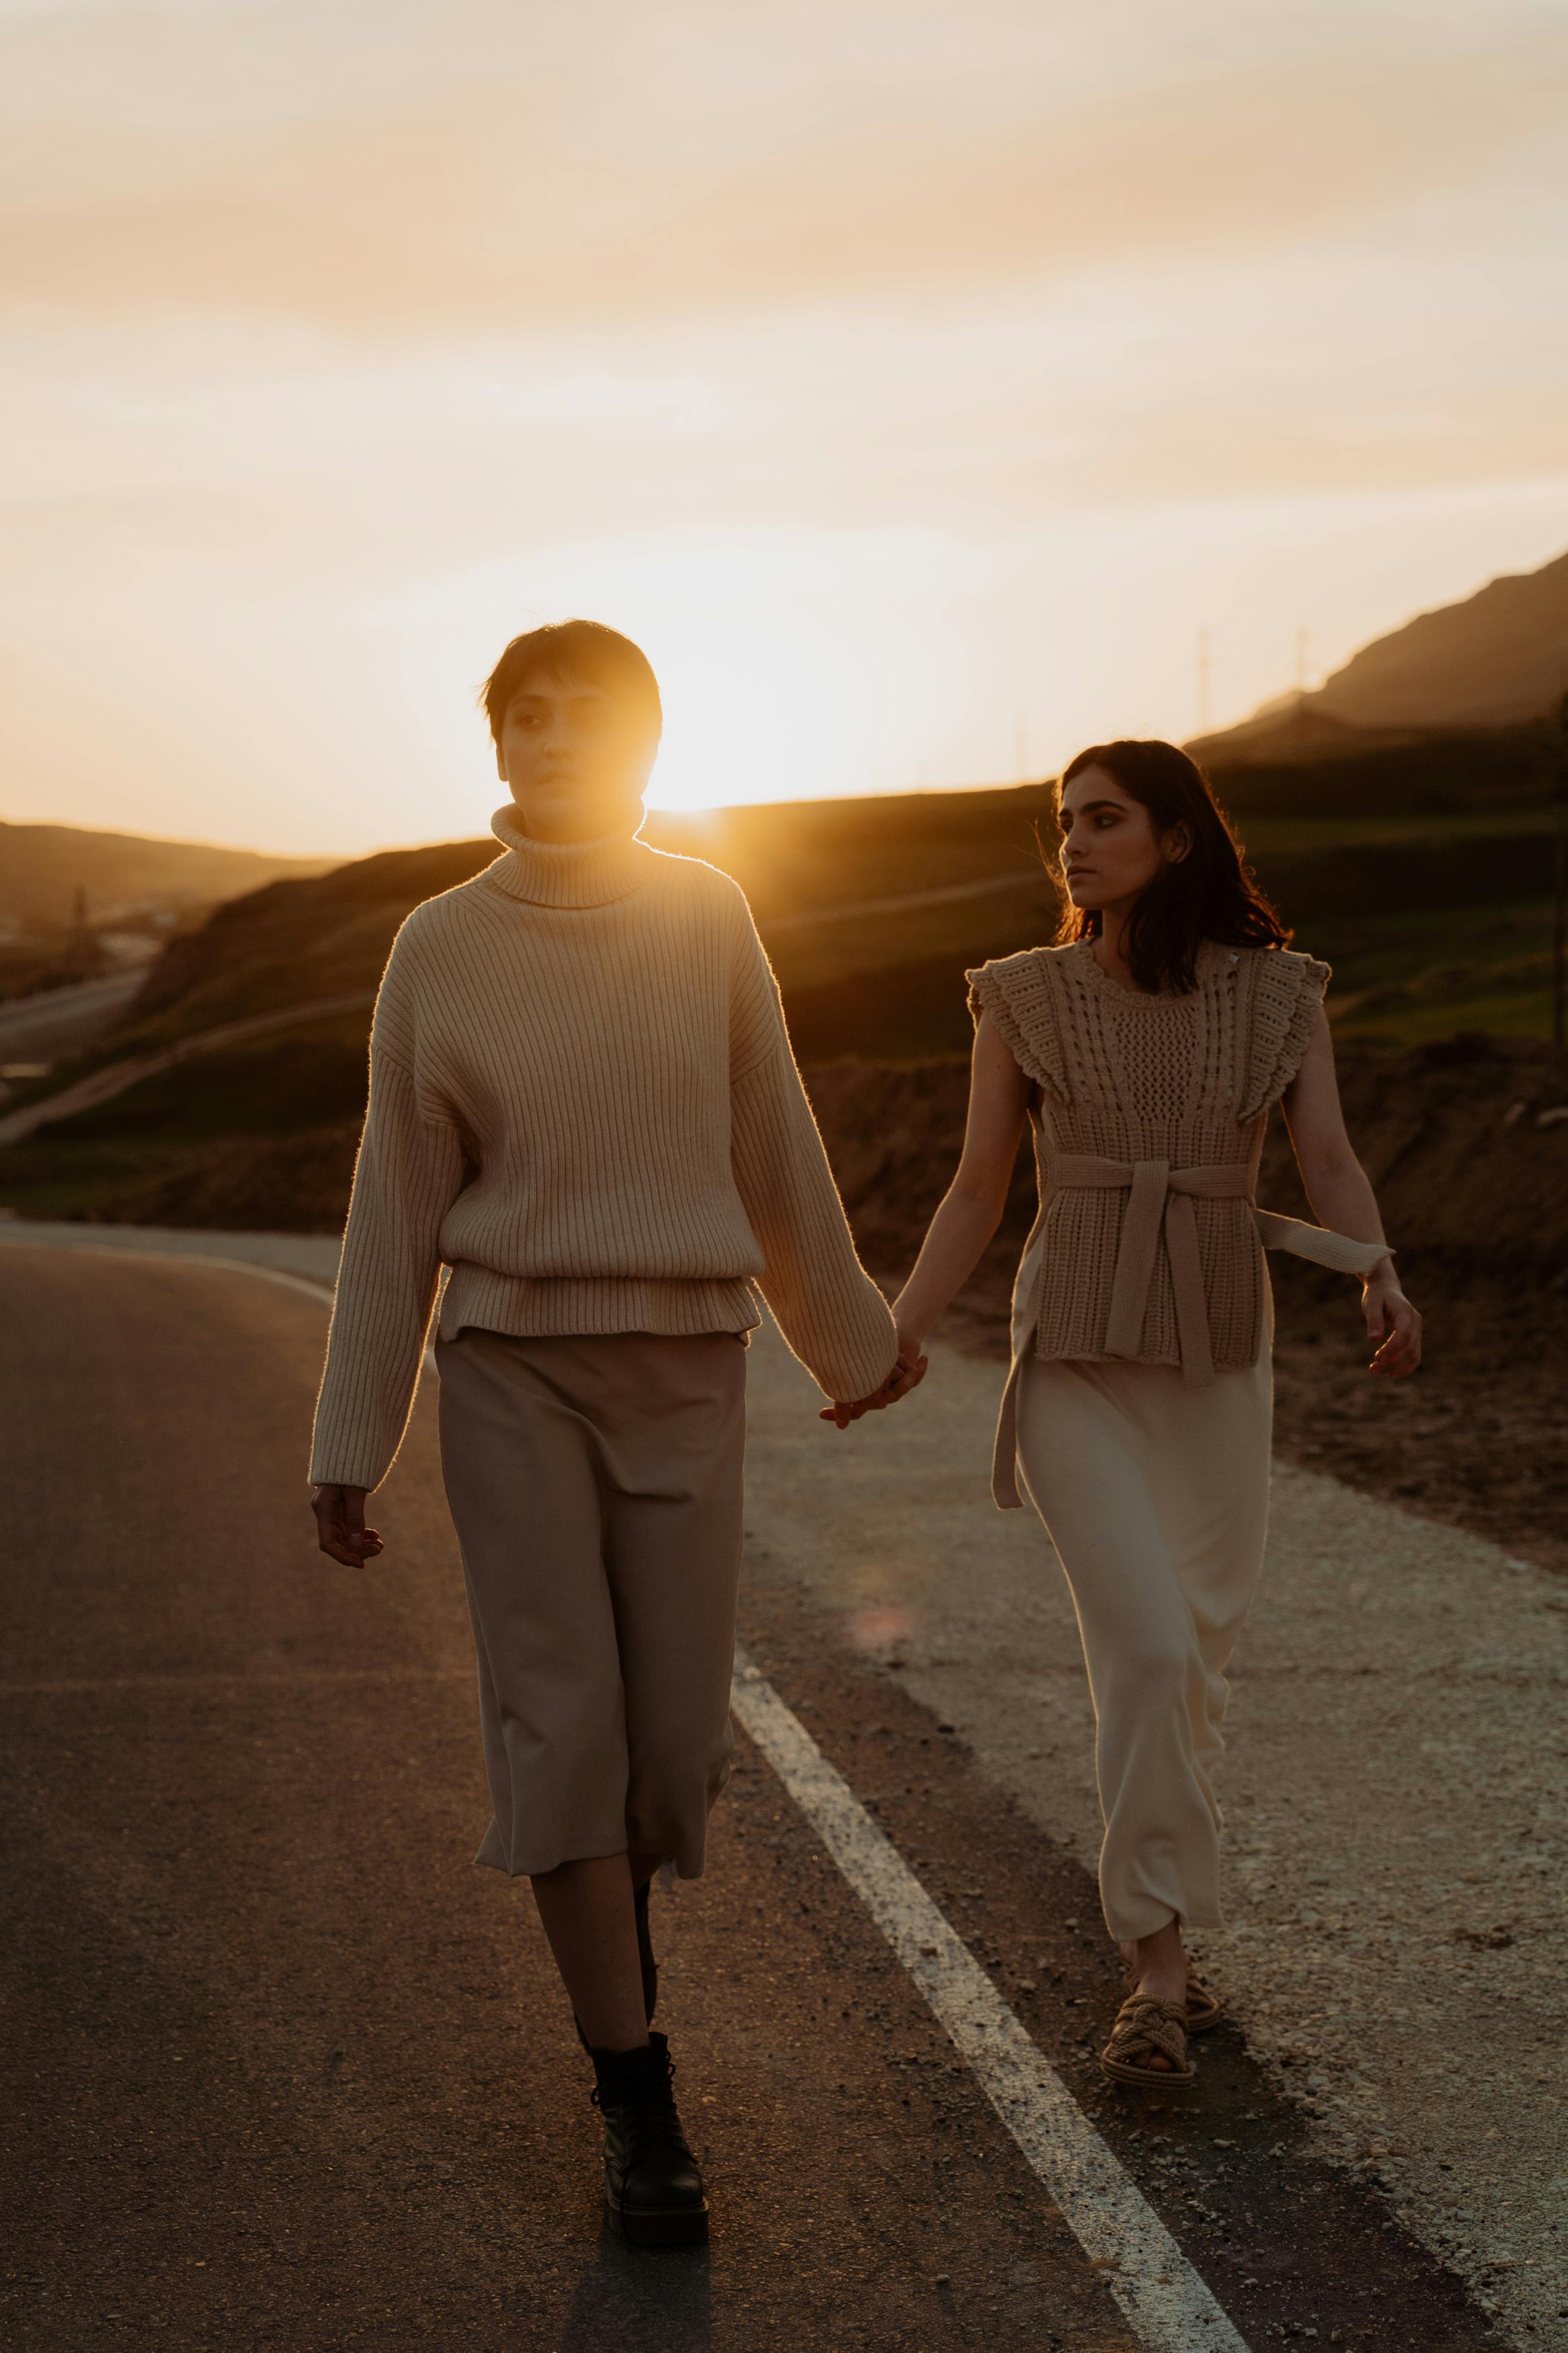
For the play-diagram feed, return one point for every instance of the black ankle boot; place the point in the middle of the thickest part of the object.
(653, 2190)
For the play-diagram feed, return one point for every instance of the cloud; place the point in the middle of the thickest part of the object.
(479, 206)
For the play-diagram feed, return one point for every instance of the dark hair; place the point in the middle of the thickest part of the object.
(587, 649)
(1208, 895)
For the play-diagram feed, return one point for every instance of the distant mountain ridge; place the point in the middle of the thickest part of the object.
(42, 867)
(1495, 659)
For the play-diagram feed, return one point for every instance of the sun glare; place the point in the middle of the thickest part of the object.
(792, 665)
(685, 794)
(802, 665)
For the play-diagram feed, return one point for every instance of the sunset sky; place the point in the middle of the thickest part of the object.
(913, 381)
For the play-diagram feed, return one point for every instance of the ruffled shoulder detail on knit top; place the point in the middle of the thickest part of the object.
(1286, 993)
(1020, 994)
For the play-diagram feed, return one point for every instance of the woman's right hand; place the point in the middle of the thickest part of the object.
(908, 1374)
(340, 1524)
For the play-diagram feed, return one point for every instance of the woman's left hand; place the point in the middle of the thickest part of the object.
(1392, 1325)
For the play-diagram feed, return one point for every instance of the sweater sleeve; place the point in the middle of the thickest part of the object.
(823, 1301)
(409, 1171)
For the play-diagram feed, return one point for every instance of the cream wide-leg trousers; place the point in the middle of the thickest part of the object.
(595, 1483)
(1156, 1494)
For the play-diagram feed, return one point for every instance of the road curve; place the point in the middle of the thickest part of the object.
(61, 1022)
(118, 1077)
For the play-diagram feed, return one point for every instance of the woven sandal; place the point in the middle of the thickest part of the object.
(1144, 2029)
(1205, 2008)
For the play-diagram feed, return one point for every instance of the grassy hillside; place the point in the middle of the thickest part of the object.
(923, 883)
(293, 942)
(43, 866)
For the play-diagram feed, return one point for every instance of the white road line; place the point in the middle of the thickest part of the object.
(1150, 2279)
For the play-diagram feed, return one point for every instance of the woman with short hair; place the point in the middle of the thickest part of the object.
(1146, 1049)
(584, 1104)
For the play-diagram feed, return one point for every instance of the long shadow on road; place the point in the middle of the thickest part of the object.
(624, 2299)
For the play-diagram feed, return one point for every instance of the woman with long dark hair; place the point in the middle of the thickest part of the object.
(1146, 1049)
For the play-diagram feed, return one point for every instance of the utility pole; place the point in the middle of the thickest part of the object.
(1303, 651)
(1206, 664)
(83, 956)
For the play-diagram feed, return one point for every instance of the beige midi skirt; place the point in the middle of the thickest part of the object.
(595, 1486)
(1156, 1494)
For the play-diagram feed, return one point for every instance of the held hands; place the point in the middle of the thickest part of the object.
(907, 1373)
(340, 1526)
(1392, 1324)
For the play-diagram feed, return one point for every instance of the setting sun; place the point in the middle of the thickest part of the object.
(792, 665)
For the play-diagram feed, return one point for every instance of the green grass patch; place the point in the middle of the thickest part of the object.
(1283, 833)
(1508, 999)
(1396, 949)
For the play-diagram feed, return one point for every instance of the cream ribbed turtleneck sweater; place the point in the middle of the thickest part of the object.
(583, 1101)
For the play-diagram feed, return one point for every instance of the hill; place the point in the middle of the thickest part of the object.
(840, 888)
(1435, 923)
(1495, 659)
(870, 908)
(43, 866)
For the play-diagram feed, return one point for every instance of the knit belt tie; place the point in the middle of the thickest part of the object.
(1161, 1201)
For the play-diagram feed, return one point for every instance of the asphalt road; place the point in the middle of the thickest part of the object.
(283, 2069)
(61, 1021)
(114, 1078)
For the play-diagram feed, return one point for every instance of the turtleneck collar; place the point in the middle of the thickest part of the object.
(566, 874)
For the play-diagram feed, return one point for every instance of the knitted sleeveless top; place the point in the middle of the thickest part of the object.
(1148, 1117)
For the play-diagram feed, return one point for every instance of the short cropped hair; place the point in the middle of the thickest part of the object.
(585, 649)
